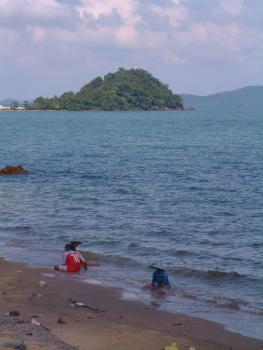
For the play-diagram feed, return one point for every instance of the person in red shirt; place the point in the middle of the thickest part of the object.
(73, 260)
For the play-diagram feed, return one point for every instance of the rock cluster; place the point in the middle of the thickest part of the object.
(13, 170)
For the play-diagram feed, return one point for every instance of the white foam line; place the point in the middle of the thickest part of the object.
(91, 281)
(129, 296)
(48, 274)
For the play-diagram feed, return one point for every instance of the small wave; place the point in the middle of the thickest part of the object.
(222, 274)
(93, 177)
(134, 245)
(209, 274)
(106, 242)
(234, 258)
(182, 252)
(195, 188)
(16, 228)
(63, 237)
(225, 213)
(251, 309)
(129, 296)
(256, 245)
(90, 256)
(223, 302)
(111, 259)
(75, 208)
(122, 191)
(220, 302)
(120, 260)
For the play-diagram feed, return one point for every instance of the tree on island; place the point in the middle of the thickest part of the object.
(14, 105)
(26, 104)
(134, 89)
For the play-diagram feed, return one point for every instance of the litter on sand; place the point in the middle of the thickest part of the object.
(35, 322)
(172, 347)
(42, 283)
(80, 304)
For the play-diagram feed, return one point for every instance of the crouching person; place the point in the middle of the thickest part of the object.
(73, 261)
(160, 281)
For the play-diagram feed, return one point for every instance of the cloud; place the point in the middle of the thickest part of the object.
(174, 59)
(129, 24)
(37, 33)
(60, 34)
(126, 19)
(233, 7)
(174, 13)
(18, 13)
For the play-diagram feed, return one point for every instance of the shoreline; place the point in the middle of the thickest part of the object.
(187, 109)
(117, 323)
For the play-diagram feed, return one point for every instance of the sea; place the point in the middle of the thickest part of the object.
(179, 189)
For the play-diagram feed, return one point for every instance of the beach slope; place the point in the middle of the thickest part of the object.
(51, 318)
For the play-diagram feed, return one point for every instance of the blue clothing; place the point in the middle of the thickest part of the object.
(160, 279)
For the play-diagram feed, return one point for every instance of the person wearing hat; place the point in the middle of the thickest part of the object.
(73, 260)
(160, 278)
(74, 244)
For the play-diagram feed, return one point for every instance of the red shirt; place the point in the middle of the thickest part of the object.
(74, 261)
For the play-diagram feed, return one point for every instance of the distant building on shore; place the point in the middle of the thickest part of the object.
(13, 108)
(4, 108)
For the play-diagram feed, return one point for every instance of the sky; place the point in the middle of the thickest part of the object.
(201, 47)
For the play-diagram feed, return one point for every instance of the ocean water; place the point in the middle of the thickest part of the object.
(180, 189)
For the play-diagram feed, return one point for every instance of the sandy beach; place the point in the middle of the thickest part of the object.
(49, 318)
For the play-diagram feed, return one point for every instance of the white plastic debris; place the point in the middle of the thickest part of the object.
(79, 303)
(42, 283)
(35, 322)
(191, 348)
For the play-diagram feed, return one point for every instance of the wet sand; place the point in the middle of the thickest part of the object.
(109, 323)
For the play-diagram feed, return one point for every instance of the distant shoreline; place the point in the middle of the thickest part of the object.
(188, 109)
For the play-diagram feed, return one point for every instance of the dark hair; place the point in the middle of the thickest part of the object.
(75, 244)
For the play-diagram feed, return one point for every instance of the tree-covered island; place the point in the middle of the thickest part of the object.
(133, 89)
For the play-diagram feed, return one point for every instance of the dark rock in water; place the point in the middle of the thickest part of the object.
(13, 170)
(14, 313)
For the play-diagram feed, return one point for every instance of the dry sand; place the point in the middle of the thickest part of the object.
(117, 324)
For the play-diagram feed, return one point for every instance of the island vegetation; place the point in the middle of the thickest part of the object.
(133, 89)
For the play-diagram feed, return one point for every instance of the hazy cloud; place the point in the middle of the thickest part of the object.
(74, 40)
